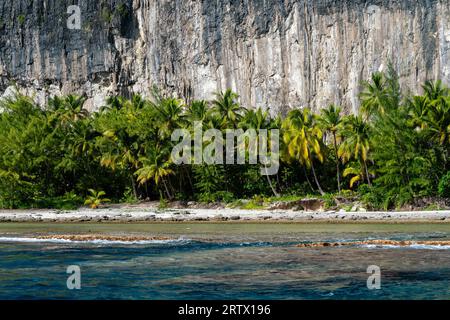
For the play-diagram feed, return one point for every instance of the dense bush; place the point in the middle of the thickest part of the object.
(444, 186)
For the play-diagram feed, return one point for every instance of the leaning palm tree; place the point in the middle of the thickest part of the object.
(155, 167)
(118, 146)
(228, 108)
(303, 139)
(258, 120)
(330, 121)
(356, 144)
(356, 173)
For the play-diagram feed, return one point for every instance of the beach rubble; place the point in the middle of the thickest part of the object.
(402, 243)
(95, 237)
(142, 215)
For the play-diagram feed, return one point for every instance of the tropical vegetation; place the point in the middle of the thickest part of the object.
(395, 151)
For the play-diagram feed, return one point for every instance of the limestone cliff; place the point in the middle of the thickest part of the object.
(274, 53)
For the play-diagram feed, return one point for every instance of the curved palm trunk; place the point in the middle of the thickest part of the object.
(133, 185)
(276, 194)
(307, 179)
(189, 178)
(367, 174)
(337, 163)
(169, 196)
(171, 188)
(316, 179)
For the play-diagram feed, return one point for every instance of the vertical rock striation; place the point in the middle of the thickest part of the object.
(276, 54)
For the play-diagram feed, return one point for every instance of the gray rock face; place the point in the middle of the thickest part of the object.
(276, 54)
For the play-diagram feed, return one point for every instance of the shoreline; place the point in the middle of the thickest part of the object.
(153, 215)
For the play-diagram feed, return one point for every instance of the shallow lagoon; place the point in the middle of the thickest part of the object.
(225, 261)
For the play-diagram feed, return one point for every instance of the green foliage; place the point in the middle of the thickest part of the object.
(331, 121)
(69, 201)
(21, 18)
(95, 199)
(122, 10)
(163, 204)
(209, 178)
(128, 197)
(251, 205)
(219, 196)
(406, 162)
(372, 198)
(394, 152)
(286, 198)
(106, 15)
(444, 186)
(356, 146)
(329, 200)
(253, 183)
(303, 140)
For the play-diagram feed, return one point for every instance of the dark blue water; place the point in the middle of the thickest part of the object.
(262, 266)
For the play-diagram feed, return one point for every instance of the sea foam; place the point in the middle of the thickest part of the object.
(99, 241)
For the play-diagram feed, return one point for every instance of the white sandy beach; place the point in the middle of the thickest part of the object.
(127, 215)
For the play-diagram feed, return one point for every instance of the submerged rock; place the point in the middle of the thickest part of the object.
(374, 242)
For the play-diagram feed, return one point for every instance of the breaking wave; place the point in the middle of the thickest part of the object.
(97, 241)
(412, 246)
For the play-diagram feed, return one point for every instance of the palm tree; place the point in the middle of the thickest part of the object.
(156, 167)
(69, 108)
(169, 114)
(373, 97)
(138, 102)
(354, 169)
(255, 119)
(356, 145)
(95, 199)
(435, 90)
(119, 148)
(258, 120)
(330, 121)
(303, 139)
(213, 121)
(82, 139)
(114, 103)
(419, 107)
(228, 108)
(76, 147)
(438, 121)
(197, 111)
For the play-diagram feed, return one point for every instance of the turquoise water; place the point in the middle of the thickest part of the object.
(224, 261)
